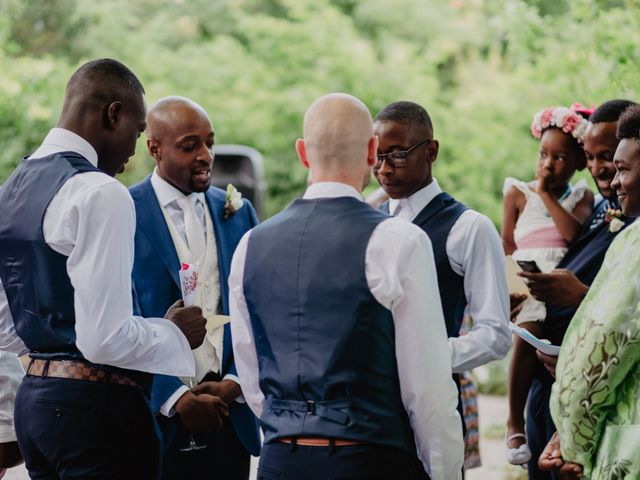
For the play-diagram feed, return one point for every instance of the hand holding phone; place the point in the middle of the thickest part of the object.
(529, 266)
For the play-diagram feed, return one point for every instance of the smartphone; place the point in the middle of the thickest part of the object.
(529, 266)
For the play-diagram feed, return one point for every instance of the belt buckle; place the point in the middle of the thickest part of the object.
(311, 407)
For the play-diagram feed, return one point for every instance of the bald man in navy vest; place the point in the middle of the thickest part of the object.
(333, 326)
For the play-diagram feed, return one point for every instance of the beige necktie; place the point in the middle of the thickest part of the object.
(192, 227)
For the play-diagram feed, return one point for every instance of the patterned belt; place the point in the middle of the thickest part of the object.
(76, 370)
(318, 442)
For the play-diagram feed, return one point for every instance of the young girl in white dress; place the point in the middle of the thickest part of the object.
(541, 219)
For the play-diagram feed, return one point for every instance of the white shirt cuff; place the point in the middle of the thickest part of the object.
(229, 376)
(167, 407)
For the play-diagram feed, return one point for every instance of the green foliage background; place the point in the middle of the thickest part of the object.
(481, 67)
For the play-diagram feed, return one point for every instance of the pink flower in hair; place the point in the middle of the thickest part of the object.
(559, 117)
(545, 118)
(570, 122)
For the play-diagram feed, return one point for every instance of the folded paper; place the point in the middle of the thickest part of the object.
(531, 339)
(515, 284)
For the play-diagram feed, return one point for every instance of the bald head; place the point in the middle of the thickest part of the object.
(169, 111)
(180, 138)
(337, 131)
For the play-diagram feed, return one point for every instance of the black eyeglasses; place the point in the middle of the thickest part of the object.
(398, 159)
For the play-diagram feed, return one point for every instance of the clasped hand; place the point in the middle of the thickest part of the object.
(551, 459)
(204, 408)
(227, 390)
(201, 413)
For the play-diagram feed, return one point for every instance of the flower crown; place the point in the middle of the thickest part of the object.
(564, 118)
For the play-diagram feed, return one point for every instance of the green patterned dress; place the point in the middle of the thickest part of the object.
(595, 401)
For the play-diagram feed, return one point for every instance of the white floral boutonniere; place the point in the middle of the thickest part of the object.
(615, 220)
(233, 201)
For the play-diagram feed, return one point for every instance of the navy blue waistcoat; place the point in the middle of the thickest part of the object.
(34, 276)
(326, 347)
(437, 220)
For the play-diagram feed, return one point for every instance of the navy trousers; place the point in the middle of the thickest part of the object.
(224, 458)
(372, 462)
(75, 429)
(540, 427)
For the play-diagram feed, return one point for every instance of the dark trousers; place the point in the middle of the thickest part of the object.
(75, 429)
(224, 458)
(371, 462)
(540, 427)
(456, 380)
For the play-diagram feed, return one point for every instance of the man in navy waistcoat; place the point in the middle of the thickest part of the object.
(66, 253)
(340, 348)
(467, 247)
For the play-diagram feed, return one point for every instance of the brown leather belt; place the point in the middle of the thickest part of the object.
(318, 442)
(76, 370)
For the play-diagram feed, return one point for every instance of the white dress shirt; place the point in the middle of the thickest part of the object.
(398, 266)
(475, 252)
(91, 220)
(168, 196)
(11, 374)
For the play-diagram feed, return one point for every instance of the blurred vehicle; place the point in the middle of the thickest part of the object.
(241, 166)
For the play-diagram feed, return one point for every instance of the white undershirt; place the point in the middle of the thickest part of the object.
(401, 275)
(168, 196)
(91, 220)
(475, 251)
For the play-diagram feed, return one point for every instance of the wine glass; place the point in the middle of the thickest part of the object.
(192, 383)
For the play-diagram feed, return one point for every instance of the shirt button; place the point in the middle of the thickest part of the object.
(208, 309)
(207, 284)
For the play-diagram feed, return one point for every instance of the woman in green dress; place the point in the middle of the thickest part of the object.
(595, 401)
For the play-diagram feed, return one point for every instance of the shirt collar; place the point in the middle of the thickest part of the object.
(63, 140)
(613, 203)
(166, 192)
(331, 190)
(417, 200)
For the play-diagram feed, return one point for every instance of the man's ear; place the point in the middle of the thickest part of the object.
(113, 114)
(154, 148)
(301, 150)
(372, 151)
(433, 148)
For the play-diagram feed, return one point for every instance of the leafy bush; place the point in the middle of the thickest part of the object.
(482, 69)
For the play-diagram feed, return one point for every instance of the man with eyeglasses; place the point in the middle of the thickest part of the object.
(466, 245)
